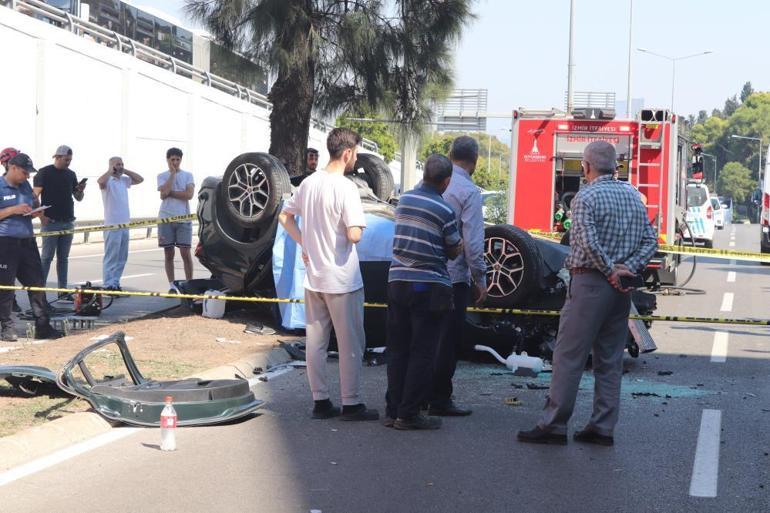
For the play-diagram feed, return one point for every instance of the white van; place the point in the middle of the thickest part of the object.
(700, 215)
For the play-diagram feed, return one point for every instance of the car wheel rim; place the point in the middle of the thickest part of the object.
(505, 267)
(248, 190)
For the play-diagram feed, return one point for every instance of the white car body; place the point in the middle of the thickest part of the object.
(700, 215)
(719, 213)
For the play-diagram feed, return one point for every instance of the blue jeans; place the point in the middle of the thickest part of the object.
(115, 256)
(58, 245)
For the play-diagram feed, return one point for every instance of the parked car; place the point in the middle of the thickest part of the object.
(700, 215)
(727, 208)
(719, 214)
(248, 253)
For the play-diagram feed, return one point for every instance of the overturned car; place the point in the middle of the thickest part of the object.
(247, 252)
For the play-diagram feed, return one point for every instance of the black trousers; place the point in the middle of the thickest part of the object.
(450, 338)
(415, 310)
(20, 260)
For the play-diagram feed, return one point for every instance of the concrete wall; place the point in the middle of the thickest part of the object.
(59, 88)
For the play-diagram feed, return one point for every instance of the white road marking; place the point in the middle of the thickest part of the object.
(732, 244)
(705, 468)
(130, 276)
(727, 302)
(62, 455)
(719, 349)
(731, 277)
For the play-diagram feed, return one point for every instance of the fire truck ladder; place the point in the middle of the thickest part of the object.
(650, 157)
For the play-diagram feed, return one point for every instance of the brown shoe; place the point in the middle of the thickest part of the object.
(541, 436)
(590, 436)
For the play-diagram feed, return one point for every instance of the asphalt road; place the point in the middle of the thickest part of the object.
(144, 271)
(692, 439)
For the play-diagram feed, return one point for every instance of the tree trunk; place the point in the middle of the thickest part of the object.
(410, 142)
(292, 97)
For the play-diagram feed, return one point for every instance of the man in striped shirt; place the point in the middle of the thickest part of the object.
(419, 293)
(611, 240)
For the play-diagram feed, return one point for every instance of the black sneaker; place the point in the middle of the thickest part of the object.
(47, 333)
(324, 409)
(541, 436)
(388, 422)
(359, 412)
(9, 335)
(417, 422)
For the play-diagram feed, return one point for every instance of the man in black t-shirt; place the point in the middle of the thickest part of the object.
(56, 185)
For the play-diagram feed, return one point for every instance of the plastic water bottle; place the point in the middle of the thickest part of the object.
(168, 426)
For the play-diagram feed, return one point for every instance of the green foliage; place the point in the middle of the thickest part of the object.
(491, 173)
(382, 133)
(735, 180)
(750, 118)
(496, 209)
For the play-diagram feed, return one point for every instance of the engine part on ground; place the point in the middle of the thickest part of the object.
(376, 174)
(88, 304)
(515, 361)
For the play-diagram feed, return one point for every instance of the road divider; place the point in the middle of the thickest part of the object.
(271, 300)
(111, 227)
(678, 249)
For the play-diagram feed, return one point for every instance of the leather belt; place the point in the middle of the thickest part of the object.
(583, 270)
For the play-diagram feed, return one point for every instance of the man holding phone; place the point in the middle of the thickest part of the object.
(56, 185)
(114, 184)
(612, 240)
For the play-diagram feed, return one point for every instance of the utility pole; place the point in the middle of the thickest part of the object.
(571, 63)
(630, 48)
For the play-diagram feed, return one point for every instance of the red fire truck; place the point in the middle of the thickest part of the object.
(547, 147)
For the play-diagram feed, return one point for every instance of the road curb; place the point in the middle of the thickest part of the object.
(55, 435)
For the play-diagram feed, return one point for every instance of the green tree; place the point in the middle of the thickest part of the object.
(339, 55)
(491, 173)
(746, 92)
(735, 180)
(731, 105)
(381, 132)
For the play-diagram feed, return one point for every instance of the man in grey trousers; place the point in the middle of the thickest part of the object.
(333, 221)
(612, 240)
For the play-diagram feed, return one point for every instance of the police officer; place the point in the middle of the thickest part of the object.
(19, 256)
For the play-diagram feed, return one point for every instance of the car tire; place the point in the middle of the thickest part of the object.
(514, 265)
(252, 189)
(377, 175)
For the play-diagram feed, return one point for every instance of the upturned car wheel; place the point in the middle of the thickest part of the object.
(377, 175)
(514, 265)
(252, 188)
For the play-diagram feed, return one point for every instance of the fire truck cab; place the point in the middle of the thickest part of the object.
(547, 148)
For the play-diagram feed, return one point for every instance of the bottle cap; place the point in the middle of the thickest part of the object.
(169, 399)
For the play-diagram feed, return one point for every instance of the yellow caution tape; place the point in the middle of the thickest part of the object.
(498, 311)
(724, 254)
(110, 227)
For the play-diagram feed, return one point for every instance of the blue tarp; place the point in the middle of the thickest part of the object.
(376, 245)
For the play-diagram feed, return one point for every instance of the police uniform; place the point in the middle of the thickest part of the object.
(19, 256)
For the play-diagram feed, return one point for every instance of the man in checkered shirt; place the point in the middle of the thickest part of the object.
(611, 237)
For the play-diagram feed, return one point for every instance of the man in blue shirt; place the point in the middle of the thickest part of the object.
(19, 256)
(419, 293)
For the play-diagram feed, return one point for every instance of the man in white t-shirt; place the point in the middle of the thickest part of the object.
(114, 184)
(176, 188)
(332, 222)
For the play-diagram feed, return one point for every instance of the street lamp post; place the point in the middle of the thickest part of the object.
(759, 164)
(673, 66)
(714, 160)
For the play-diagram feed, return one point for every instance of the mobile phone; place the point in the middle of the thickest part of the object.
(83, 181)
(632, 282)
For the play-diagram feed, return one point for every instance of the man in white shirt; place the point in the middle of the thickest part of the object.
(177, 188)
(114, 184)
(332, 222)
